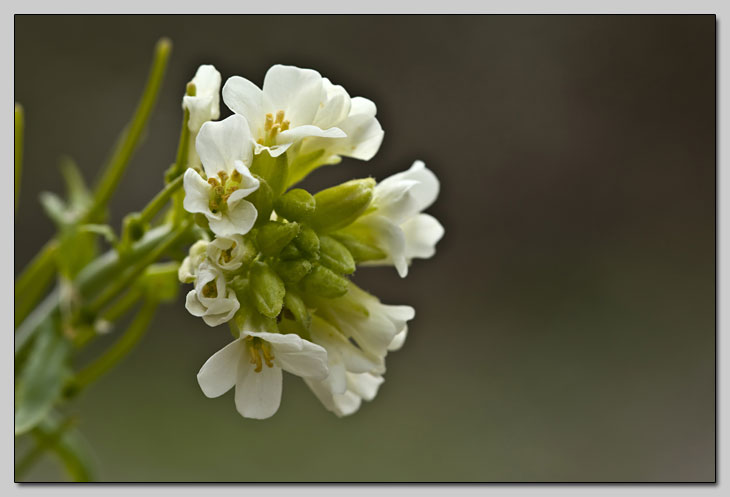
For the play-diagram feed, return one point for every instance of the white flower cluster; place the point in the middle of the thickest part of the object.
(275, 261)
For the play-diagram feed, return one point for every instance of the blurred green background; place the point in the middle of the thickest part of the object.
(565, 329)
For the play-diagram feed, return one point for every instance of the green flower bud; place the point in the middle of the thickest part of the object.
(296, 306)
(324, 282)
(267, 289)
(274, 236)
(335, 256)
(360, 249)
(295, 205)
(294, 270)
(263, 200)
(342, 204)
(275, 170)
(290, 252)
(308, 243)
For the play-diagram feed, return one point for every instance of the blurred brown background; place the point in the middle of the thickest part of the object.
(565, 330)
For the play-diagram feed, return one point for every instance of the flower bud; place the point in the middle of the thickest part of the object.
(263, 200)
(274, 170)
(342, 204)
(296, 305)
(267, 289)
(335, 256)
(308, 243)
(274, 236)
(294, 270)
(295, 205)
(324, 282)
(290, 252)
(359, 248)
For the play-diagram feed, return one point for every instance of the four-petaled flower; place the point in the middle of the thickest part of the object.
(253, 363)
(226, 157)
(211, 298)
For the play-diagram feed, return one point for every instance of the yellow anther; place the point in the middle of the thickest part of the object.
(219, 190)
(268, 356)
(260, 141)
(236, 176)
(223, 176)
(269, 122)
(210, 290)
(285, 125)
(213, 182)
(274, 131)
(279, 116)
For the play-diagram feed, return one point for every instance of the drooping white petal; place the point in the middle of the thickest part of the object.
(310, 362)
(395, 200)
(398, 341)
(220, 371)
(391, 239)
(197, 194)
(296, 91)
(364, 385)
(239, 219)
(224, 311)
(245, 98)
(205, 105)
(364, 132)
(258, 395)
(188, 270)
(221, 143)
(422, 233)
(339, 348)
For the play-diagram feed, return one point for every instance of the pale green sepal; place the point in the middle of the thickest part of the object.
(340, 205)
(360, 249)
(267, 289)
(295, 205)
(335, 255)
(293, 271)
(273, 236)
(324, 282)
(275, 170)
(308, 243)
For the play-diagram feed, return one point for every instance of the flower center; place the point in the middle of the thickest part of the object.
(226, 255)
(260, 352)
(210, 290)
(272, 127)
(223, 186)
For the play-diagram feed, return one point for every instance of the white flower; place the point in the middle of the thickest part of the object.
(188, 269)
(298, 108)
(253, 363)
(359, 387)
(362, 318)
(226, 154)
(396, 223)
(205, 105)
(211, 298)
(230, 253)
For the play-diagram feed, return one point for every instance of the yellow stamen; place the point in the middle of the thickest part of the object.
(236, 176)
(279, 116)
(285, 125)
(223, 176)
(210, 290)
(213, 182)
(268, 122)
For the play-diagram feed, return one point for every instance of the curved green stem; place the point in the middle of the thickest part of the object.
(159, 201)
(133, 132)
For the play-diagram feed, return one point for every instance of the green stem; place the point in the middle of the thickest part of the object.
(131, 136)
(94, 277)
(43, 443)
(125, 279)
(122, 305)
(19, 129)
(34, 280)
(159, 201)
(120, 348)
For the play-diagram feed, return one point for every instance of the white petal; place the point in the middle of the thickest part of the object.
(391, 239)
(422, 233)
(399, 340)
(239, 219)
(364, 132)
(295, 134)
(245, 98)
(220, 371)
(193, 305)
(197, 193)
(249, 183)
(205, 105)
(286, 343)
(225, 313)
(310, 362)
(427, 188)
(322, 391)
(258, 395)
(298, 92)
(395, 200)
(335, 108)
(221, 143)
(364, 385)
(346, 404)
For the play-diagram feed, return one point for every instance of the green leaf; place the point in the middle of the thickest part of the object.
(55, 208)
(42, 379)
(77, 193)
